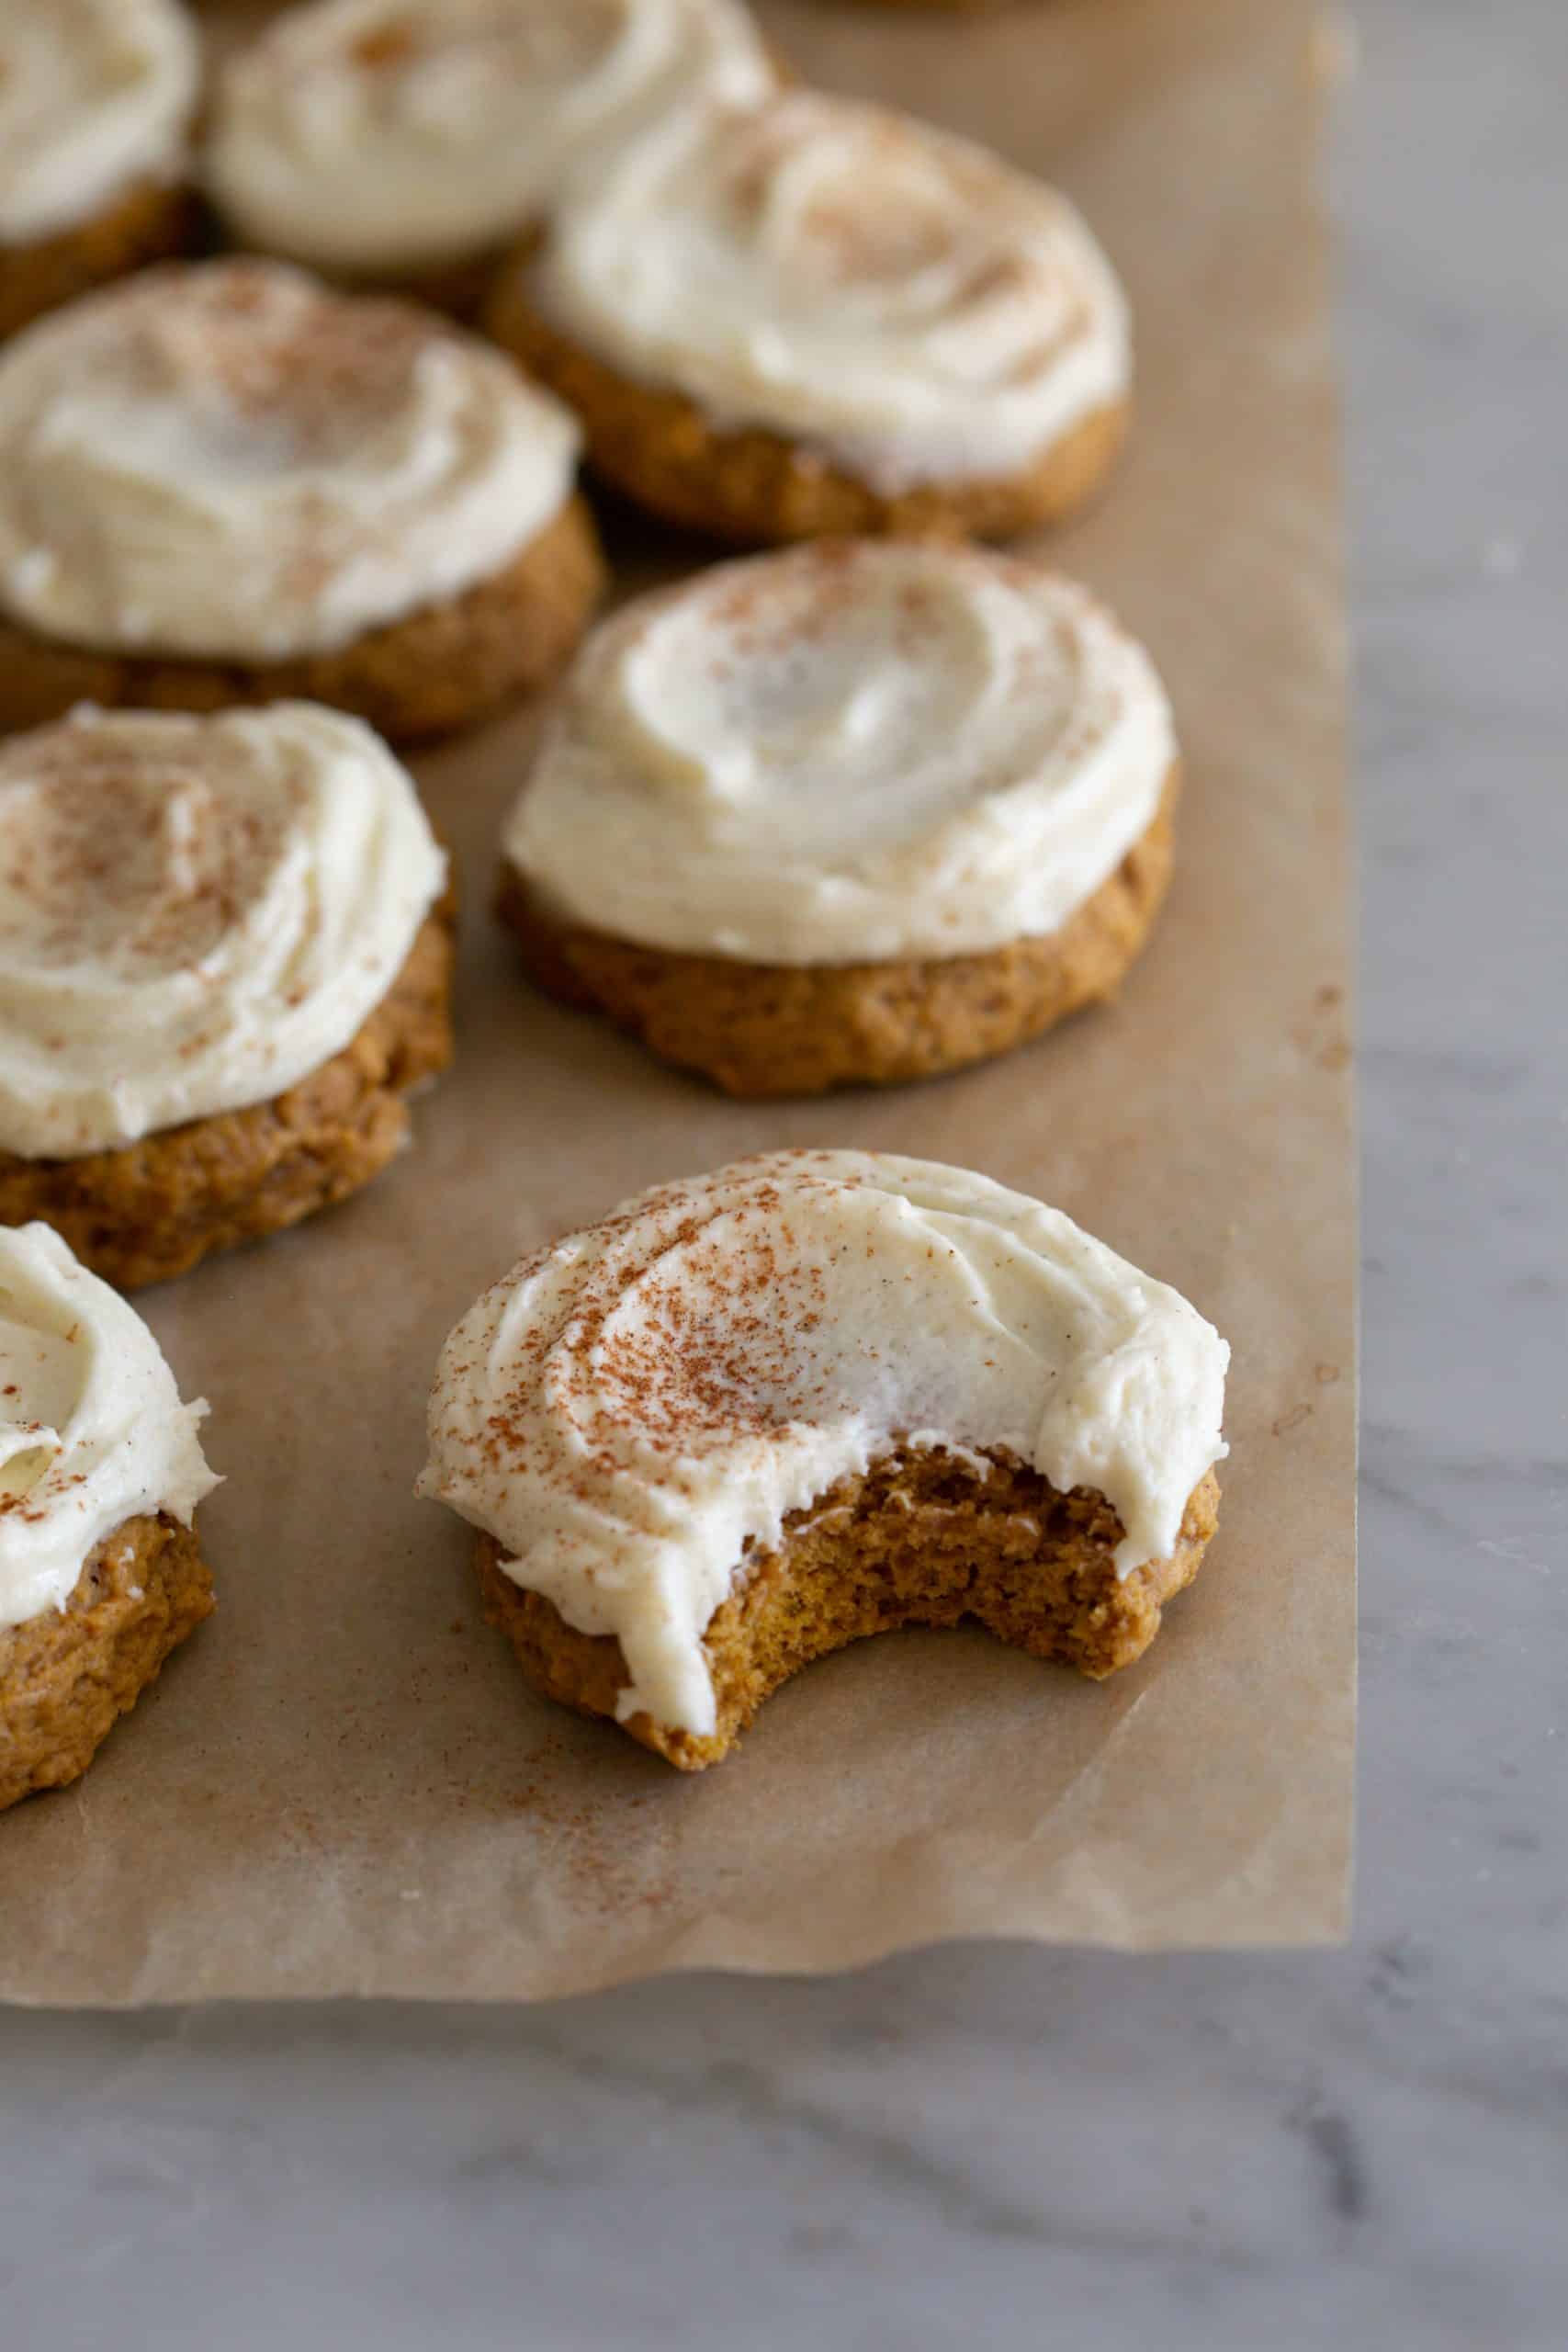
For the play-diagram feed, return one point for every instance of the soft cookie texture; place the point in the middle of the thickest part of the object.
(805, 1029)
(748, 1417)
(750, 487)
(68, 1675)
(440, 670)
(95, 102)
(153, 1209)
(101, 1472)
(766, 1030)
(226, 952)
(880, 810)
(227, 483)
(814, 317)
(920, 1539)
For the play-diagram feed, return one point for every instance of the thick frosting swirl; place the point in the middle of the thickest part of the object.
(848, 751)
(194, 913)
(231, 462)
(92, 1429)
(95, 95)
(629, 1407)
(895, 299)
(388, 134)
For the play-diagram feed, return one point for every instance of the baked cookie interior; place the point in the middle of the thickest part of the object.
(754, 1416)
(923, 1538)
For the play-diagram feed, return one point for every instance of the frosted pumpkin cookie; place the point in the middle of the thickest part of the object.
(101, 1573)
(816, 316)
(225, 484)
(852, 813)
(412, 140)
(96, 104)
(748, 1419)
(225, 959)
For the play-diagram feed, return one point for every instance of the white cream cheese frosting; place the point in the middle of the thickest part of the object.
(92, 1429)
(231, 462)
(94, 95)
(391, 134)
(895, 298)
(628, 1408)
(844, 752)
(194, 913)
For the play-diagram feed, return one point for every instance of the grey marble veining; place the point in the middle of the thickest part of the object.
(1002, 2146)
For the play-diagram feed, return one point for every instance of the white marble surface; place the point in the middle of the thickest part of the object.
(996, 2145)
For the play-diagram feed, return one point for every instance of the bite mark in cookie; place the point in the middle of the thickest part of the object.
(917, 1539)
(748, 1418)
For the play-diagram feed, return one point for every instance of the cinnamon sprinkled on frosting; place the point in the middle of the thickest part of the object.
(893, 298)
(231, 461)
(194, 913)
(631, 1409)
(846, 752)
(92, 1429)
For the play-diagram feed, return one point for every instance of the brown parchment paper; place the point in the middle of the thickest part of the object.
(341, 1784)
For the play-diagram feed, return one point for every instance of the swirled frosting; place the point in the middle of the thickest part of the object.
(92, 1429)
(389, 135)
(848, 751)
(895, 298)
(194, 913)
(231, 462)
(627, 1410)
(95, 95)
